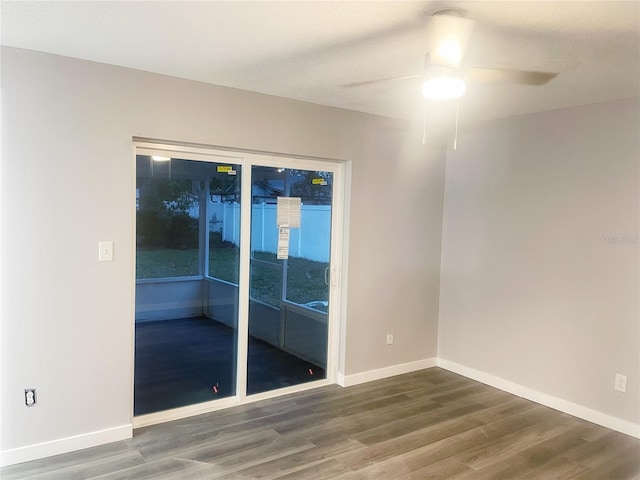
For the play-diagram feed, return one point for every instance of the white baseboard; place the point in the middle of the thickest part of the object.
(64, 445)
(92, 439)
(556, 403)
(183, 412)
(369, 376)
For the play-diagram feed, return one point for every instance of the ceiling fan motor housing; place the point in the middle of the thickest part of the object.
(447, 38)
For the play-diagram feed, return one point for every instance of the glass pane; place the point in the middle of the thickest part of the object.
(223, 214)
(186, 289)
(167, 212)
(308, 264)
(266, 278)
(287, 312)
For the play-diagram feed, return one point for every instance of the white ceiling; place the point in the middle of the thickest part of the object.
(307, 50)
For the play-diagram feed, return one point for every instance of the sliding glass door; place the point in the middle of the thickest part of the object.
(289, 281)
(209, 326)
(187, 264)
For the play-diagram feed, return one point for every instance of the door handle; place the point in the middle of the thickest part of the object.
(334, 277)
(326, 276)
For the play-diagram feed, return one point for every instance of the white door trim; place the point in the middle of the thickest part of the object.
(338, 263)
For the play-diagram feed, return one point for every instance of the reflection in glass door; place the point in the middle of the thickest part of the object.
(232, 295)
(187, 263)
(289, 284)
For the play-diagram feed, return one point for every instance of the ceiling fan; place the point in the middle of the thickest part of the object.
(445, 75)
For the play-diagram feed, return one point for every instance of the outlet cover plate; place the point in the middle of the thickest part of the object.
(621, 383)
(30, 397)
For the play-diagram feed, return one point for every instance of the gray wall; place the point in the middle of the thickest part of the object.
(533, 289)
(165, 300)
(222, 302)
(539, 282)
(67, 320)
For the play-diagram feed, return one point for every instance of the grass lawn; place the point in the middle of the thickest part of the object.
(305, 282)
(166, 262)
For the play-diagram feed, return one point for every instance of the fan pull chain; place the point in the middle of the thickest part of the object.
(424, 124)
(455, 136)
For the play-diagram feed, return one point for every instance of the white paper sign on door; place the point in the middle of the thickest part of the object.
(283, 243)
(288, 214)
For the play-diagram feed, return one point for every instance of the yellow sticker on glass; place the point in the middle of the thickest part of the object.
(318, 181)
(224, 168)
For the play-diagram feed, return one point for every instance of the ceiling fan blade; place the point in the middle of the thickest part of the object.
(380, 80)
(500, 75)
(448, 35)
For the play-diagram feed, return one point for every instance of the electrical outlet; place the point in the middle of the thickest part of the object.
(621, 383)
(30, 397)
(389, 338)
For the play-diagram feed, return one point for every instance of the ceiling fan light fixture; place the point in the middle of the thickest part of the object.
(450, 50)
(443, 88)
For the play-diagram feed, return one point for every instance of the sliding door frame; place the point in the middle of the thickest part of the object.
(338, 263)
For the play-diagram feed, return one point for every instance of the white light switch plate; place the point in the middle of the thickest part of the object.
(105, 251)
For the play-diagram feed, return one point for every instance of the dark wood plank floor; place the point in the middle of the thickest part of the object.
(430, 424)
(179, 361)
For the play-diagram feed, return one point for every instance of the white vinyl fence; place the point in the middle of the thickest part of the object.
(310, 241)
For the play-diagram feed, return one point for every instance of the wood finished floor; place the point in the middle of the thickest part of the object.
(431, 424)
(178, 362)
